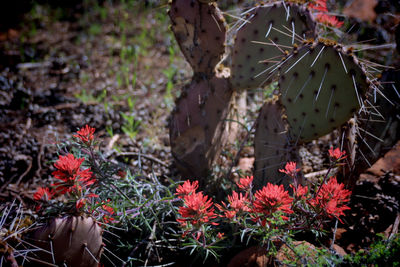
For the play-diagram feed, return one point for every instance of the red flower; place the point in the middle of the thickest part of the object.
(336, 154)
(70, 173)
(67, 167)
(107, 208)
(197, 209)
(318, 5)
(198, 235)
(237, 203)
(329, 20)
(321, 8)
(82, 201)
(272, 198)
(245, 183)
(85, 134)
(42, 194)
(121, 174)
(300, 192)
(331, 199)
(103, 212)
(290, 169)
(187, 188)
(220, 235)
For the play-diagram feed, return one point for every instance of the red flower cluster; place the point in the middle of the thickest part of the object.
(321, 8)
(42, 194)
(237, 203)
(300, 192)
(106, 212)
(86, 134)
(329, 20)
(82, 201)
(306, 210)
(73, 179)
(197, 210)
(318, 5)
(70, 173)
(336, 154)
(272, 198)
(187, 188)
(290, 169)
(245, 183)
(331, 199)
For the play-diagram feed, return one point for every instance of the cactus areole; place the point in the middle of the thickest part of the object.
(200, 30)
(321, 88)
(266, 34)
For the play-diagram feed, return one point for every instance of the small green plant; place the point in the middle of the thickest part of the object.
(131, 125)
(86, 96)
(383, 252)
(95, 29)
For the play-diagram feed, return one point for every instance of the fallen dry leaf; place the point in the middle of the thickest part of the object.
(390, 162)
(362, 10)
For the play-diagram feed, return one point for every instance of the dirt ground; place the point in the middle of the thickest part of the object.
(117, 67)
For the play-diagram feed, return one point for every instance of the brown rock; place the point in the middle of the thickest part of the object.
(246, 164)
(339, 250)
(253, 256)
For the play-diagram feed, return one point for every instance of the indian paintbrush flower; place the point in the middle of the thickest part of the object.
(245, 183)
(197, 210)
(271, 198)
(331, 199)
(336, 154)
(42, 194)
(320, 7)
(187, 188)
(290, 169)
(86, 134)
(237, 203)
(71, 175)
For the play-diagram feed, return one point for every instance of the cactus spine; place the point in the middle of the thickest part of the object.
(70, 241)
(197, 126)
(274, 146)
(197, 129)
(200, 30)
(321, 85)
(266, 35)
(315, 99)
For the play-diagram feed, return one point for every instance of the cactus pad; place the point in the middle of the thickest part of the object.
(321, 87)
(272, 146)
(279, 23)
(74, 241)
(197, 129)
(379, 129)
(200, 31)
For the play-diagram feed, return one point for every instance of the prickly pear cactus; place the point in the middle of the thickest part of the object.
(266, 34)
(197, 129)
(321, 87)
(69, 241)
(200, 30)
(272, 146)
(376, 131)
